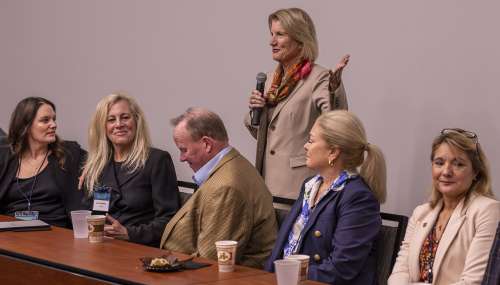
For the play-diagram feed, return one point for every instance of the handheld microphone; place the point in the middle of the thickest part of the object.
(261, 80)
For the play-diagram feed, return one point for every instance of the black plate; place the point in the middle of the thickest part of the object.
(174, 266)
(167, 268)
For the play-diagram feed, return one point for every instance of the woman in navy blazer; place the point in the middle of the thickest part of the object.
(336, 219)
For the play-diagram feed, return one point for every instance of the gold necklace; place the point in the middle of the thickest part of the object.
(440, 227)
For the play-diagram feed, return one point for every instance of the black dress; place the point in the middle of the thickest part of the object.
(55, 193)
(44, 195)
(145, 200)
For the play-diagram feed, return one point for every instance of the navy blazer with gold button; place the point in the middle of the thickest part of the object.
(339, 236)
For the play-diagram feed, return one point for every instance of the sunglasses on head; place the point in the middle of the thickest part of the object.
(467, 134)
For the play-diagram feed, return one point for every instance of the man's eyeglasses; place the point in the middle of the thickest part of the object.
(467, 134)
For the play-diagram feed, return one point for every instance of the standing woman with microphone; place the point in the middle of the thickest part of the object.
(295, 94)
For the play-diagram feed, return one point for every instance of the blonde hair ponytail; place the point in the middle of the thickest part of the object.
(373, 171)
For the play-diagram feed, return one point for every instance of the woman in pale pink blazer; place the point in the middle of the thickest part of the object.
(449, 238)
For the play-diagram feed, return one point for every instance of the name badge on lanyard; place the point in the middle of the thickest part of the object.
(102, 196)
(26, 215)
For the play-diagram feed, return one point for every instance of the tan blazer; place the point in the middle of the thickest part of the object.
(233, 204)
(284, 129)
(463, 250)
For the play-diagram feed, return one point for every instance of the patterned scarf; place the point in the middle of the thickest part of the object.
(292, 75)
(311, 189)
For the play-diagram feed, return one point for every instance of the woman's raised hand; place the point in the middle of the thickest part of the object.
(336, 74)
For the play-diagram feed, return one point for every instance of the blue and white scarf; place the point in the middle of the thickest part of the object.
(310, 191)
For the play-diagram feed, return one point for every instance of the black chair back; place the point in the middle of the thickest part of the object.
(388, 244)
(492, 273)
(185, 195)
(3, 137)
(282, 211)
(281, 200)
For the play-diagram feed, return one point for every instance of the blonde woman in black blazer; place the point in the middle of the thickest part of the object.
(144, 193)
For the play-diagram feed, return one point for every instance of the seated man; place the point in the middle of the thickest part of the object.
(232, 202)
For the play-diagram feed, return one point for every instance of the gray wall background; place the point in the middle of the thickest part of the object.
(416, 67)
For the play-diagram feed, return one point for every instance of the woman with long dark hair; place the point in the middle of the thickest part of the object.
(38, 171)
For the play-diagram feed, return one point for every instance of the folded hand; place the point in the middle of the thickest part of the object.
(115, 229)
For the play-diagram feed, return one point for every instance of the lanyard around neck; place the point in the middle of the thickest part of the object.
(30, 194)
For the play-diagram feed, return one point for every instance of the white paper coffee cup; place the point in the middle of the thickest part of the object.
(226, 254)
